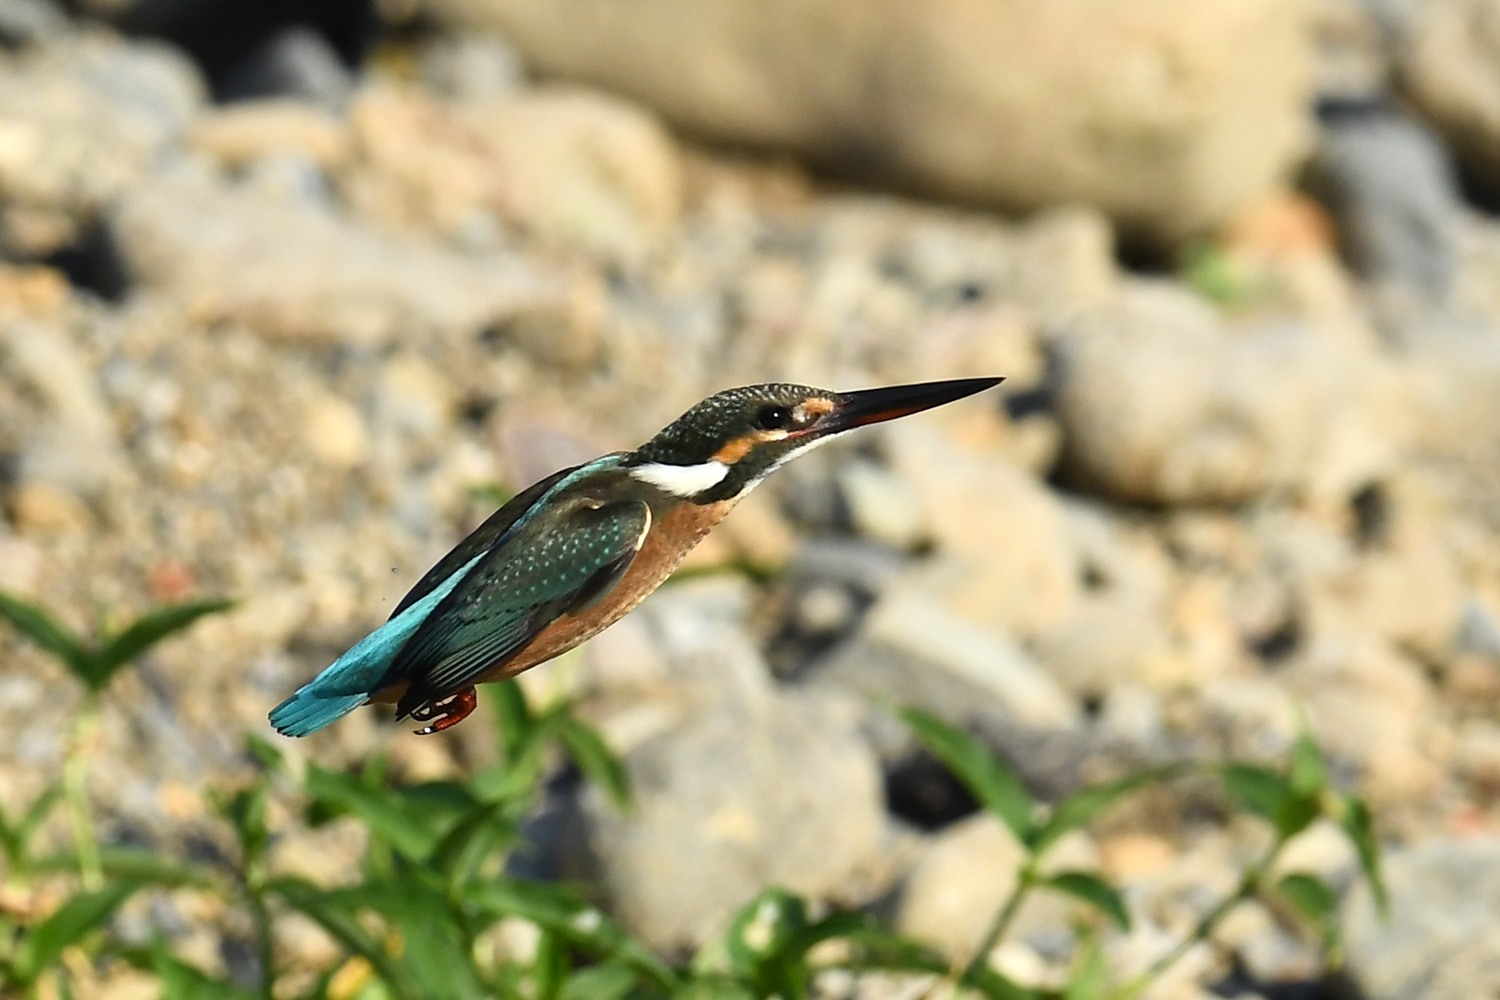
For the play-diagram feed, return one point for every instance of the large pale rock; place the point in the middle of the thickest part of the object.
(774, 792)
(572, 167)
(294, 270)
(80, 123)
(1011, 562)
(1442, 938)
(1168, 114)
(912, 650)
(1161, 403)
(1450, 67)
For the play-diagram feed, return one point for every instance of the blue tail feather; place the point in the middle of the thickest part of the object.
(349, 681)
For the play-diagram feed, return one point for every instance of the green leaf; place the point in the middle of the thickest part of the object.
(556, 909)
(181, 981)
(549, 966)
(513, 718)
(47, 632)
(17, 834)
(605, 981)
(1081, 808)
(390, 818)
(141, 865)
(1271, 795)
(595, 760)
(145, 632)
(999, 987)
(1360, 829)
(326, 910)
(872, 946)
(982, 772)
(1309, 773)
(267, 754)
(74, 920)
(473, 838)
(435, 950)
(1093, 890)
(1090, 977)
(1310, 895)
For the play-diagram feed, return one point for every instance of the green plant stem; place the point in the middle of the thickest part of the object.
(75, 789)
(1025, 882)
(1245, 890)
(265, 944)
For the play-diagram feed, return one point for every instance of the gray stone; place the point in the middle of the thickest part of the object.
(84, 121)
(1450, 68)
(738, 798)
(912, 651)
(293, 270)
(26, 22)
(295, 62)
(1169, 116)
(471, 67)
(1161, 403)
(1442, 938)
(1395, 197)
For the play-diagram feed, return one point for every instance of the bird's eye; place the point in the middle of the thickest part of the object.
(773, 418)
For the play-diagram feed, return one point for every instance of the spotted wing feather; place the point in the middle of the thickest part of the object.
(557, 562)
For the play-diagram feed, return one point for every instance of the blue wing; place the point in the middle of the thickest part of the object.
(560, 561)
(352, 678)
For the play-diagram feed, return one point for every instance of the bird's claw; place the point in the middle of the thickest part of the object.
(446, 713)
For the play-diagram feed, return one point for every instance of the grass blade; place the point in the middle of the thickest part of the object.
(77, 918)
(1360, 828)
(993, 783)
(595, 759)
(146, 631)
(1093, 890)
(1083, 806)
(44, 630)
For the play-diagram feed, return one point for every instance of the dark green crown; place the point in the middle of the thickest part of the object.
(699, 434)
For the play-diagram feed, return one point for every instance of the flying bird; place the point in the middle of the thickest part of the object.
(571, 555)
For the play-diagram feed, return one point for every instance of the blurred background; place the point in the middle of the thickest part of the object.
(285, 286)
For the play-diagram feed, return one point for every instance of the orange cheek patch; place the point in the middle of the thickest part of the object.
(817, 406)
(736, 449)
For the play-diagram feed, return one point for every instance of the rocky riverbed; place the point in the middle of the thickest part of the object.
(269, 317)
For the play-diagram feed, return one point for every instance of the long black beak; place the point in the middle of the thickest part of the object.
(870, 406)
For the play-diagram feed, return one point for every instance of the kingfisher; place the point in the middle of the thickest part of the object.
(571, 555)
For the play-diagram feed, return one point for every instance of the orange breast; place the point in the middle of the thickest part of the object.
(673, 534)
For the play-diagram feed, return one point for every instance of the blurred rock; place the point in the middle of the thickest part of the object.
(26, 22)
(961, 881)
(1105, 644)
(978, 507)
(911, 650)
(1441, 940)
(882, 506)
(237, 135)
(1168, 117)
(84, 121)
(471, 67)
(1450, 68)
(572, 167)
(1160, 404)
(1369, 706)
(74, 451)
(293, 271)
(295, 62)
(740, 797)
(1395, 196)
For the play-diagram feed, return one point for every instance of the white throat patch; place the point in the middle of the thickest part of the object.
(682, 480)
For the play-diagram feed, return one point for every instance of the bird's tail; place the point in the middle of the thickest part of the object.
(345, 684)
(307, 711)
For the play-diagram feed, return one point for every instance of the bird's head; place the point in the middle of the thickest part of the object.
(725, 445)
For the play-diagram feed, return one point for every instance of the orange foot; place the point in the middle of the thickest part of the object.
(445, 714)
